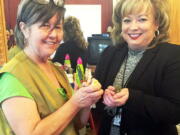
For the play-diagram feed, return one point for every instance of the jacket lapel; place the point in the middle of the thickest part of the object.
(115, 63)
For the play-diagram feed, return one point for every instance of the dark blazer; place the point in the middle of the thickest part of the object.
(74, 52)
(153, 107)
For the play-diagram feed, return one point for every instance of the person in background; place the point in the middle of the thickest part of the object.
(140, 73)
(74, 43)
(35, 96)
(13, 49)
(10, 38)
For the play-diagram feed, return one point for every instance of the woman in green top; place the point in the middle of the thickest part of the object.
(35, 95)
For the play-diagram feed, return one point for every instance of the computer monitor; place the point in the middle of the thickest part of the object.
(96, 46)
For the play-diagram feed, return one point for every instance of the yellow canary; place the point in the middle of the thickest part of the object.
(95, 83)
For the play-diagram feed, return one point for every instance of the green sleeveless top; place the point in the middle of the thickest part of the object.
(42, 90)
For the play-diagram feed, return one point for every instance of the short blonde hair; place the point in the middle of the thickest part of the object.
(125, 7)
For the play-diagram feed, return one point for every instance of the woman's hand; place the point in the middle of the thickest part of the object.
(88, 94)
(113, 99)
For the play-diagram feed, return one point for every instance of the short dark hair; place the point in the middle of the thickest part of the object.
(31, 12)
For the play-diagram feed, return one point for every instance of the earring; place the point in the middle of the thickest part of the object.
(157, 33)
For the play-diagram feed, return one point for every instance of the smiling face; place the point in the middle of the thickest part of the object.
(43, 38)
(138, 30)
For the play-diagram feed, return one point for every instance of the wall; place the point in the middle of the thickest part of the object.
(3, 46)
(174, 31)
(106, 10)
(10, 7)
(90, 20)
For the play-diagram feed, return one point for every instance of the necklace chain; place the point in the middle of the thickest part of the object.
(124, 72)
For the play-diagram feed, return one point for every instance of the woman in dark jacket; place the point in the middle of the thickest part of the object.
(141, 73)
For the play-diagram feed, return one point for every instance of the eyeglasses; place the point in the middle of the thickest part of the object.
(59, 3)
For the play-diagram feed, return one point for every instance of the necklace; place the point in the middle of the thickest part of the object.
(123, 84)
